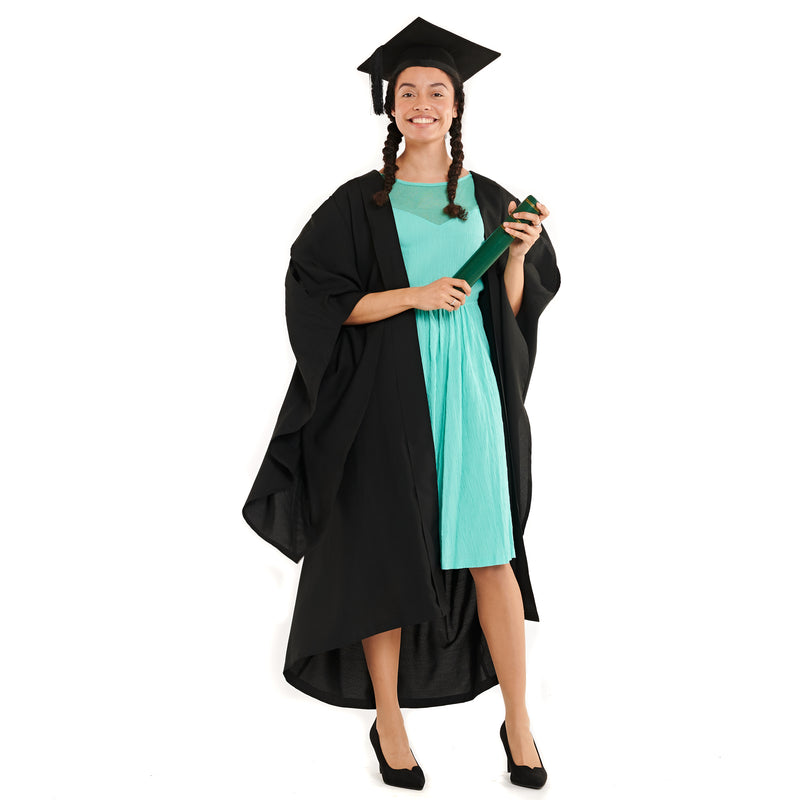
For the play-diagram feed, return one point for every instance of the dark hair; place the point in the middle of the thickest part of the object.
(394, 137)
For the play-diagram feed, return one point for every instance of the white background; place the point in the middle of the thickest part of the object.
(158, 159)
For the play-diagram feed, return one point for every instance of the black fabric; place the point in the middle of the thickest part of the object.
(421, 43)
(423, 39)
(348, 483)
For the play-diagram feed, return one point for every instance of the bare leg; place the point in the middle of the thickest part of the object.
(382, 652)
(501, 615)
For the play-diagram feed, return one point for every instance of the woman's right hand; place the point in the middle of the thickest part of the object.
(442, 293)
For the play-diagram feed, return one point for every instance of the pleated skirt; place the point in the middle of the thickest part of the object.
(469, 441)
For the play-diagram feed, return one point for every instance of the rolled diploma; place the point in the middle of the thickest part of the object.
(493, 247)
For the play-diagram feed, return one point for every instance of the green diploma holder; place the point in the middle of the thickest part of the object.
(494, 246)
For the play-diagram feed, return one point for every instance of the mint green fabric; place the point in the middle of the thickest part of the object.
(475, 526)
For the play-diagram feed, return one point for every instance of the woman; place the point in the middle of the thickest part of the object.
(399, 468)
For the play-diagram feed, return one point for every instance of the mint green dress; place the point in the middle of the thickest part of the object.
(474, 506)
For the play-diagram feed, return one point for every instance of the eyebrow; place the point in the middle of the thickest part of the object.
(414, 86)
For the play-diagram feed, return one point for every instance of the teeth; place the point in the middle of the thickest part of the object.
(423, 119)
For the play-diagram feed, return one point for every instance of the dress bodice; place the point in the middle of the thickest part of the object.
(434, 244)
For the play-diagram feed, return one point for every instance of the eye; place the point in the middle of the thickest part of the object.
(406, 94)
(438, 94)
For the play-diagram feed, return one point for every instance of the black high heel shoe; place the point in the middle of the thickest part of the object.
(412, 778)
(522, 775)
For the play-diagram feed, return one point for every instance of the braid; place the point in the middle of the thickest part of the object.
(393, 139)
(457, 153)
(390, 148)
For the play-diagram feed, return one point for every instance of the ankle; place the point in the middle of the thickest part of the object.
(390, 716)
(517, 720)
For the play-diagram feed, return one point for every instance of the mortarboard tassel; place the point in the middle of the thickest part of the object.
(376, 77)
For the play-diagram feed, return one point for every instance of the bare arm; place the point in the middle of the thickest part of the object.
(525, 236)
(447, 293)
(379, 305)
(514, 276)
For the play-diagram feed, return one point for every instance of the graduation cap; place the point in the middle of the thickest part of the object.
(422, 44)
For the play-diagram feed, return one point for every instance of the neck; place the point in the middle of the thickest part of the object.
(426, 162)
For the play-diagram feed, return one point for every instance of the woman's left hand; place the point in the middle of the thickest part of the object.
(525, 235)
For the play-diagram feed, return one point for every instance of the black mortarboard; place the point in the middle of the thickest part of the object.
(422, 44)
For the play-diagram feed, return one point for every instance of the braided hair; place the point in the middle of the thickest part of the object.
(394, 137)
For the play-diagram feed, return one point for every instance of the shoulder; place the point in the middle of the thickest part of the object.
(343, 200)
(492, 198)
(342, 212)
(347, 197)
(490, 188)
(369, 181)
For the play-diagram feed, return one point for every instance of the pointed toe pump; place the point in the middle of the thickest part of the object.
(522, 775)
(412, 778)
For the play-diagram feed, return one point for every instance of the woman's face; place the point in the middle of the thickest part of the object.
(424, 103)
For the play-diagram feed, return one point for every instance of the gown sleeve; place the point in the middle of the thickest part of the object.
(296, 483)
(518, 339)
(542, 282)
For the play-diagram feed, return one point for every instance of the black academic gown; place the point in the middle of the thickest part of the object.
(349, 482)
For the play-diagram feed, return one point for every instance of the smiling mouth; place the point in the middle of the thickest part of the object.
(423, 120)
